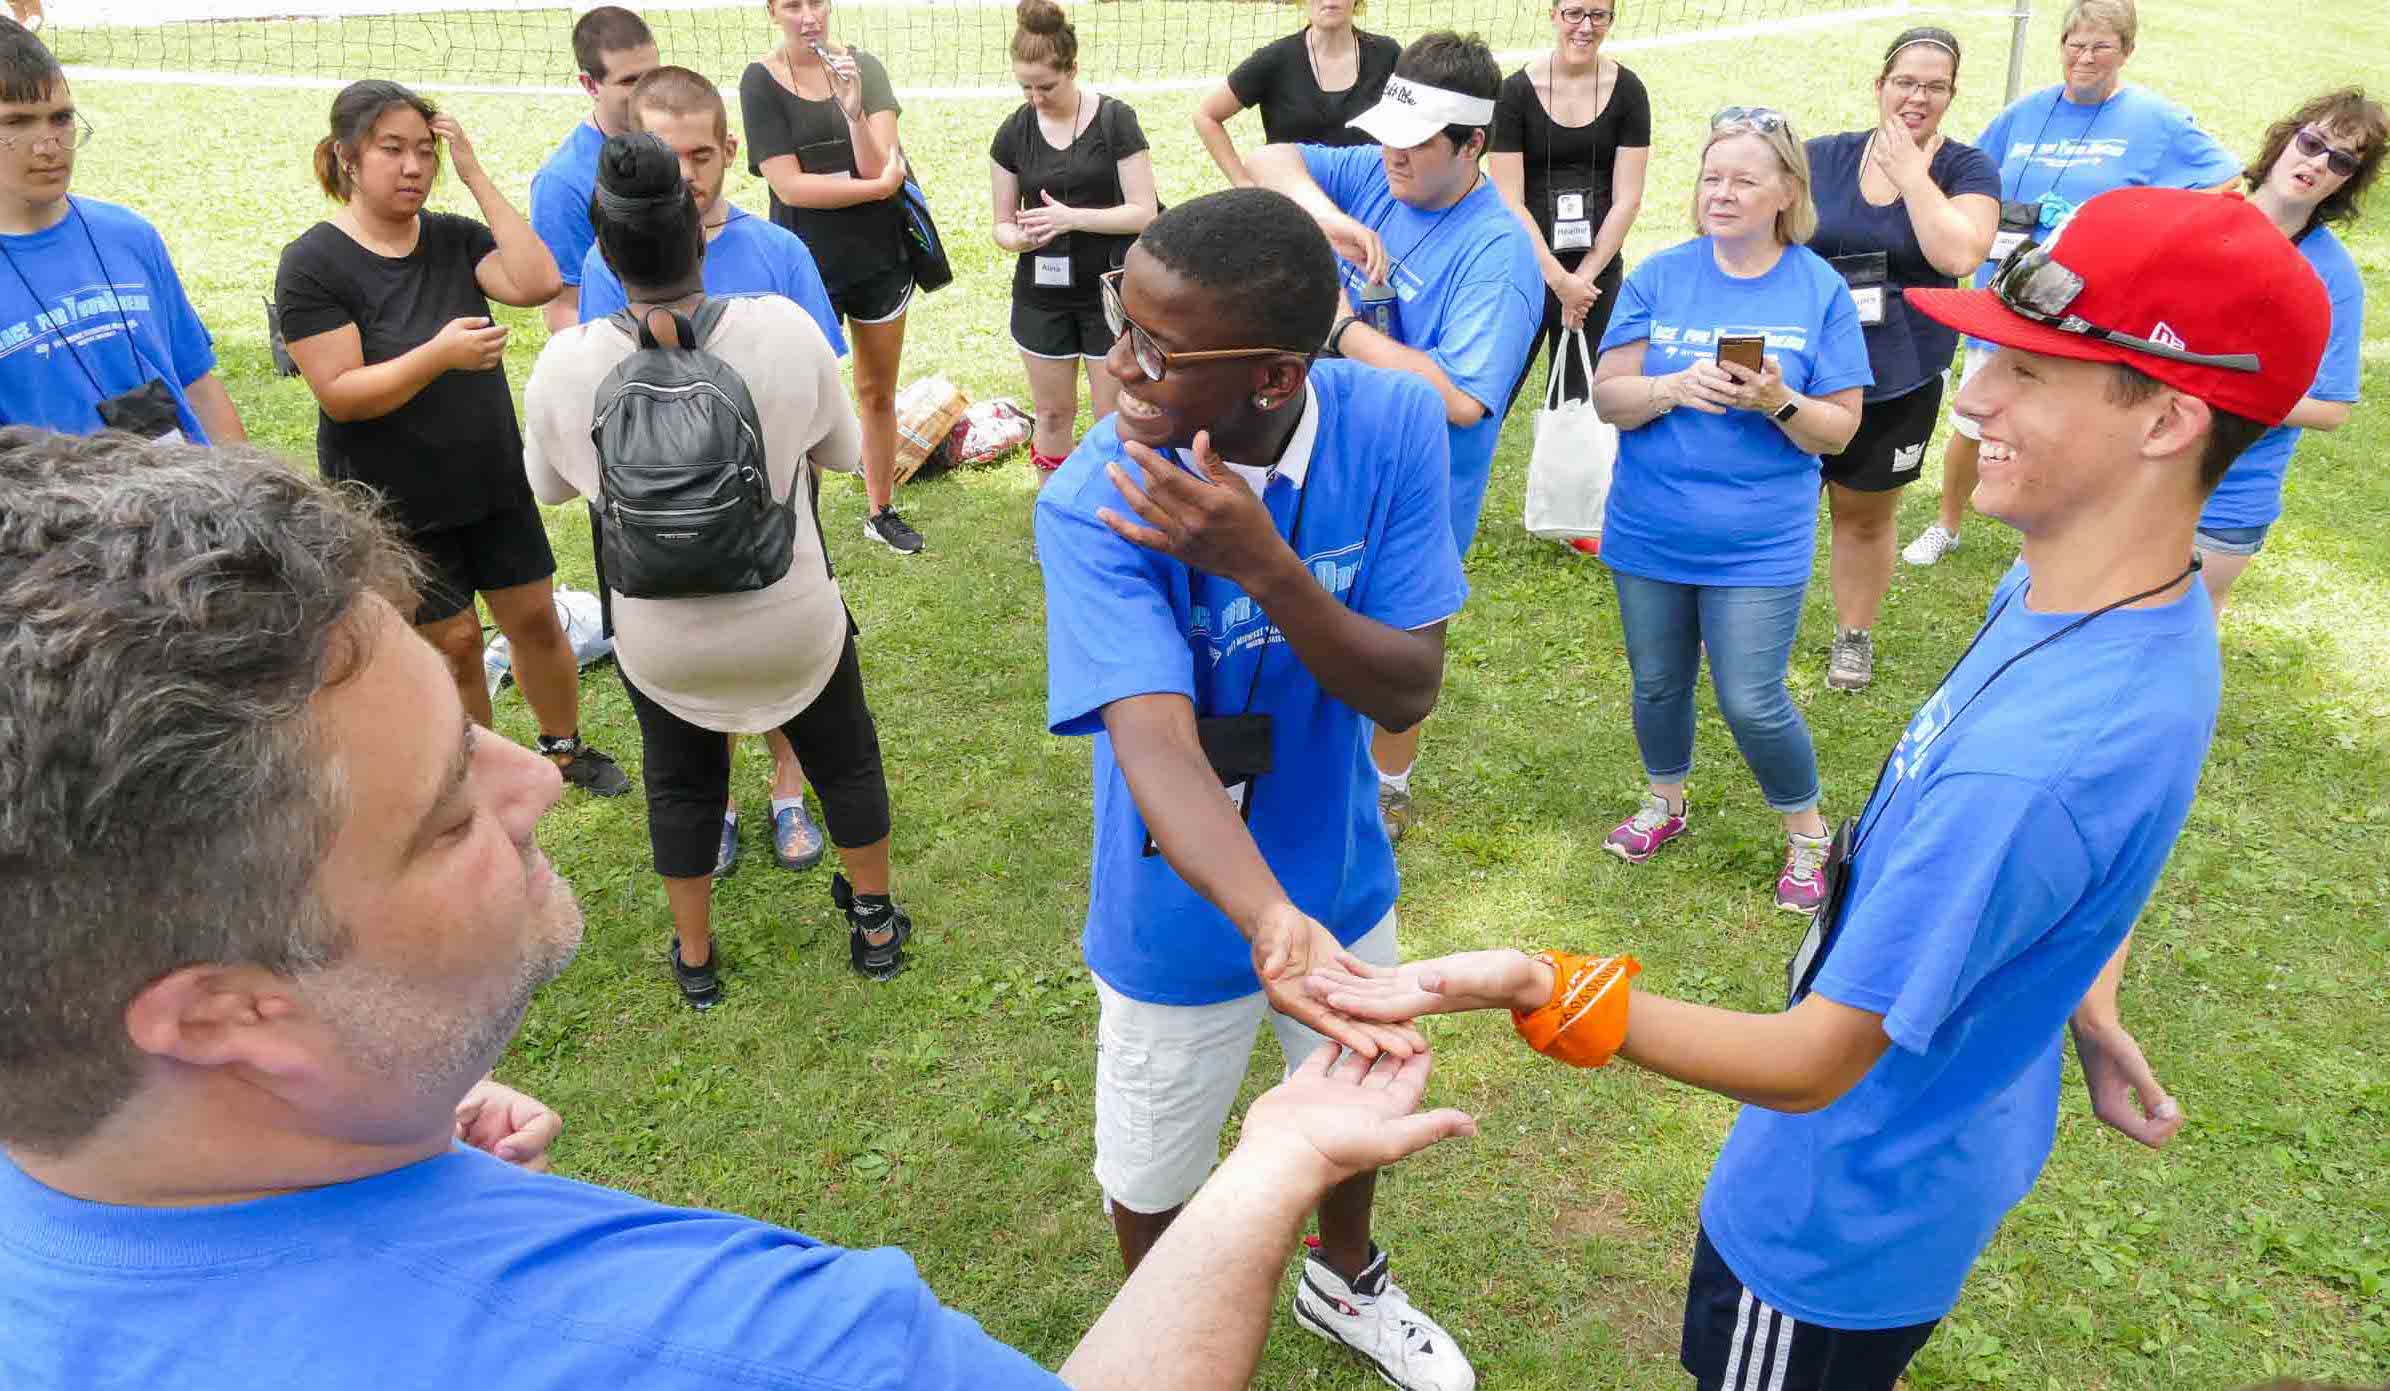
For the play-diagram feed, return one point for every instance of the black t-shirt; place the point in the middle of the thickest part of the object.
(1570, 157)
(1087, 175)
(453, 454)
(850, 244)
(1906, 350)
(1277, 77)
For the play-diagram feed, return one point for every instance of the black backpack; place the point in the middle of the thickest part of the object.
(683, 494)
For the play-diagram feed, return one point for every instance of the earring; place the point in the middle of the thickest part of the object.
(1262, 403)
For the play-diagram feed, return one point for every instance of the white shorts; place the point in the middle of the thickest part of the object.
(1166, 1076)
(1976, 358)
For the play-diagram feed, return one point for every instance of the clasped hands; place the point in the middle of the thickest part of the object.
(1050, 219)
(1714, 388)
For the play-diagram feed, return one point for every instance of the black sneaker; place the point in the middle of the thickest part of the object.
(879, 960)
(585, 767)
(698, 984)
(890, 529)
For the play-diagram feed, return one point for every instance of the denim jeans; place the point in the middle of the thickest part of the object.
(1750, 634)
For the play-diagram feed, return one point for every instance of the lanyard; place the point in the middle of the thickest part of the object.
(2080, 140)
(107, 277)
(1553, 126)
(1069, 152)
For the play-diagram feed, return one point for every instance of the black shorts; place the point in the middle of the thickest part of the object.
(1061, 333)
(877, 298)
(1734, 1339)
(506, 548)
(1889, 450)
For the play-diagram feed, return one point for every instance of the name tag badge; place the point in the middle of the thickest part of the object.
(1572, 228)
(2004, 245)
(1870, 302)
(1867, 274)
(1568, 206)
(1052, 271)
(2018, 219)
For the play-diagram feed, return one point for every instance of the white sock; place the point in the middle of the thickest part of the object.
(781, 804)
(1400, 782)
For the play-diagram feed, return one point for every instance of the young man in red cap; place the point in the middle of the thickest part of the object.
(1984, 900)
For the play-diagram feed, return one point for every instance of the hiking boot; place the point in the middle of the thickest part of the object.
(1850, 665)
(1640, 836)
(890, 529)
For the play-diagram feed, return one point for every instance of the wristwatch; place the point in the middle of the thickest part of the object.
(1790, 408)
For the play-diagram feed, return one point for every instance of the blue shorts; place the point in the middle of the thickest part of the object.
(2232, 540)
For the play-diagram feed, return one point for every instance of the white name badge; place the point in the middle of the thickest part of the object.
(1870, 302)
(2006, 242)
(1570, 234)
(1568, 207)
(174, 436)
(1054, 271)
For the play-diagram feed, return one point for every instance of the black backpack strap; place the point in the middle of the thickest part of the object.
(709, 314)
(691, 335)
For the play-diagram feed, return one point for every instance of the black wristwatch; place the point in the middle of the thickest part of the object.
(1336, 336)
(1790, 408)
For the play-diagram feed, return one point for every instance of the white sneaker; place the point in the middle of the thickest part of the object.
(1931, 545)
(1409, 1349)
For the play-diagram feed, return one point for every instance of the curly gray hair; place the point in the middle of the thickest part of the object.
(167, 613)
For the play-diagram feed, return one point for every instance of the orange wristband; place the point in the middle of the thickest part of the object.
(1586, 1019)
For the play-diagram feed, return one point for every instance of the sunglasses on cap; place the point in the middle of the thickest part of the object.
(2311, 143)
(1761, 118)
(2035, 286)
(1151, 359)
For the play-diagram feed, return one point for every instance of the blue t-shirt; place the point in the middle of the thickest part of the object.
(2000, 864)
(1906, 350)
(457, 1271)
(1726, 499)
(63, 314)
(1372, 519)
(2251, 492)
(1471, 293)
(560, 199)
(749, 256)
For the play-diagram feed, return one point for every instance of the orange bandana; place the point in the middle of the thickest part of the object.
(1586, 1018)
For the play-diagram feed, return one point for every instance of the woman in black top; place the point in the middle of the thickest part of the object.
(385, 309)
(1072, 185)
(1307, 85)
(1898, 207)
(1572, 140)
(821, 130)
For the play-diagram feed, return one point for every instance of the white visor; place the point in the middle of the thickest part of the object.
(1410, 112)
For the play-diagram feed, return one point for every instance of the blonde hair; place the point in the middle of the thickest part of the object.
(2118, 17)
(1796, 224)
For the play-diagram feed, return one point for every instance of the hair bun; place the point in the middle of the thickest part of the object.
(638, 166)
(1042, 17)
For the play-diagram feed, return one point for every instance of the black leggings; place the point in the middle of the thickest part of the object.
(1597, 321)
(687, 772)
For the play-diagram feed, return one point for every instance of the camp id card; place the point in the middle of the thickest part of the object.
(1866, 274)
(1052, 272)
(1572, 230)
(2017, 223)
(1238, 748)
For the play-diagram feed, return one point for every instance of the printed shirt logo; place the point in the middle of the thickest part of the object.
(1908, 457)
(85, 315)
(1240, 624)
(1681, 341)
(1918, 739)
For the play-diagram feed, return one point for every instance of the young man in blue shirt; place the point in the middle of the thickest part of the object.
(1441, 278)
(614, 49)
(1245, 565)
(95, 329)
(1908, 1096)
(241, 1136)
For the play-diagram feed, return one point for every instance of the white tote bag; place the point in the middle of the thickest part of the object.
(1568, 475)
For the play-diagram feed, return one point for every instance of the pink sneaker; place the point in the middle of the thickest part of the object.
(1802, 886)
(1641, 835)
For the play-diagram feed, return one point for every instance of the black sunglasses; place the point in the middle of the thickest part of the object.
(2034, 285)
(2311, 144)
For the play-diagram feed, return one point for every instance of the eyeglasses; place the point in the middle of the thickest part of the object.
(1761, 118)
(1906, 87)
(2311, 143)
(2035, 285)
(2075, 48)
(65, 134)
(1151, 360)
(1575, 15)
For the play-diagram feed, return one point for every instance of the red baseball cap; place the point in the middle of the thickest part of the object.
(2203, 274)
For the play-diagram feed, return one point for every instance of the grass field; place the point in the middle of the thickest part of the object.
(950, 1111)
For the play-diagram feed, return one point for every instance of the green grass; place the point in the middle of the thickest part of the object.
(950, 1111)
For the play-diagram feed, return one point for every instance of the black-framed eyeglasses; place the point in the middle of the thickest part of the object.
(65, 135)
(2032, 283)
(1760, 118)
(2310, 143)
(1151, 359)
(1575, 15)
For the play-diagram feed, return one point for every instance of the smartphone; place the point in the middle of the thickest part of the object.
(1747, 350)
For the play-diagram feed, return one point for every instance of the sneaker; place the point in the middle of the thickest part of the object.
(585, 767)
(1394, 809)
(880, 960)
(1640, 836)
(796, 841)
(1409, 1349)
(1802, 886)
(1931, 545)
(699, 986)
(726, 855)
(1851, 663)
(890, 529)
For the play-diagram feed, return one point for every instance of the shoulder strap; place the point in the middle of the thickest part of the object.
(709, 314)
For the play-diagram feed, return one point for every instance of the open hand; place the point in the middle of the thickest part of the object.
(1207, 518)
(1335, 1117)
(1502, 979)
(1288, 946)
(1895, 151)
(512, 1125)
(2124, 1091)
(460, 147)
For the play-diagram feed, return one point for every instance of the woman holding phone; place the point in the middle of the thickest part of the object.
(1899, 207)
(821, 132)
(1732, 362)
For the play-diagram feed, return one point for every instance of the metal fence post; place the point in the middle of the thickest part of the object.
(2016, 49)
